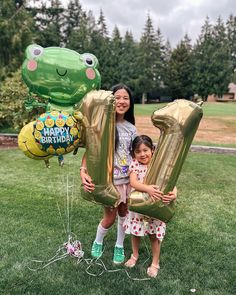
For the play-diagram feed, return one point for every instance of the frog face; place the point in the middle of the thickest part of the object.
(60, 75)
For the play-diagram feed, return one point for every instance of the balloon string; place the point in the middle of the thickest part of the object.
(68, 190)
(67, 206)
(70, 248)
(98, 262)
(53, 188)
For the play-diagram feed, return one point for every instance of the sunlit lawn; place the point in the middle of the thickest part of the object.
(36, 212)
(209, 109)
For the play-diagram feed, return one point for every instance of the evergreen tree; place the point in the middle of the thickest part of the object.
(116, 47)
(179, 71)
(72, 17)
(222, 61)
(166, 55)
(160, 63)
(231, 34)
(148, 61)
(212, 69)
(101, 25)
(128, 63)
(100, 47)
(15, 36)
(49, 21)
(79, 38)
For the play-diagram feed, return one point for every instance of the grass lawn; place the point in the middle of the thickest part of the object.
(197, 252)
(210, 109)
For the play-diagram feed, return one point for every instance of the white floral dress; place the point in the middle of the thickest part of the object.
(137, 224)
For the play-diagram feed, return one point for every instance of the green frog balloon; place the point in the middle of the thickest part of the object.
(60, 76)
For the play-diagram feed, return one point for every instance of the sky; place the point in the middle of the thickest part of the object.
(174, 18)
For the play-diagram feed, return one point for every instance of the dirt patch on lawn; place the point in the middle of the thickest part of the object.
(212, 130)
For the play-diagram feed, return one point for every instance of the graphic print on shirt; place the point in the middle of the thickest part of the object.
(123, 157)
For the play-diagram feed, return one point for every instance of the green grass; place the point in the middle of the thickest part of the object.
(147, 109)
(196, 253)
(203, 143)
(219, 109)
(209, 109)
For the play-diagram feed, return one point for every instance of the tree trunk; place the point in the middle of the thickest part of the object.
(144, 97)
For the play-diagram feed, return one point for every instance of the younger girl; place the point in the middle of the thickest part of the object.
(135, 223)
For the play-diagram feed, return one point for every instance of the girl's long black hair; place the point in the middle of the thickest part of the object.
(129, 115)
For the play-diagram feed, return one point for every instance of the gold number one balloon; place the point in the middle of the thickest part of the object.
(178, 123)
(98, 109)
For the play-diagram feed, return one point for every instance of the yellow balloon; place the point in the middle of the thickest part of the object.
(178, 123)
(28, 145)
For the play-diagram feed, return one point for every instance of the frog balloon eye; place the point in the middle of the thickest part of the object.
(88, 59)
(36, 51)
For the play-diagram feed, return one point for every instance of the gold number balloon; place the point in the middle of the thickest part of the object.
(98, 109)
(178, 123)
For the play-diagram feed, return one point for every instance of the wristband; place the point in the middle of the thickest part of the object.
(83, 168)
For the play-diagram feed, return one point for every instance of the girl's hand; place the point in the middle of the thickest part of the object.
(154, 192)
(87, 183)
(171, 196)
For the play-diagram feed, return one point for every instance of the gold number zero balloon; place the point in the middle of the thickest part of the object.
(178, 123)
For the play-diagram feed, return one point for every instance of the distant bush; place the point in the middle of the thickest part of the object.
(13, 94)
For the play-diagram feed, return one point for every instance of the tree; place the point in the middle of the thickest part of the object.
(212, 69)
(99, 46)
(79, 39)
(72, 17)
(16, 34)
(13, 93)
(231, 34)
(166, 55)
(178, 77)
(128, 62)
(148, 60)
(115, 59)
(49, 23)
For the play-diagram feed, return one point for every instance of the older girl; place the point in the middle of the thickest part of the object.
(125, 133)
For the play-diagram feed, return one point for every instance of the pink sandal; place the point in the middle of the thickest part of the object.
(153, 270)
(131, 262)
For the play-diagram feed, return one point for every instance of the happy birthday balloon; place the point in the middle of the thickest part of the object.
(57, 133)
(59, 75)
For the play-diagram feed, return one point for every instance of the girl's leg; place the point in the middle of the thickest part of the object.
(135, 245)
(122, 211)
(152, 271)
(102, 229)
(135, 248)
(119, 255)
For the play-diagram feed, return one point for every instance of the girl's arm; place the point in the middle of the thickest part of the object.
(85, 178)
(152, 190)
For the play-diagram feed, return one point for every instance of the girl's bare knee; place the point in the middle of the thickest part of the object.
(108, 217)
(153, 238)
